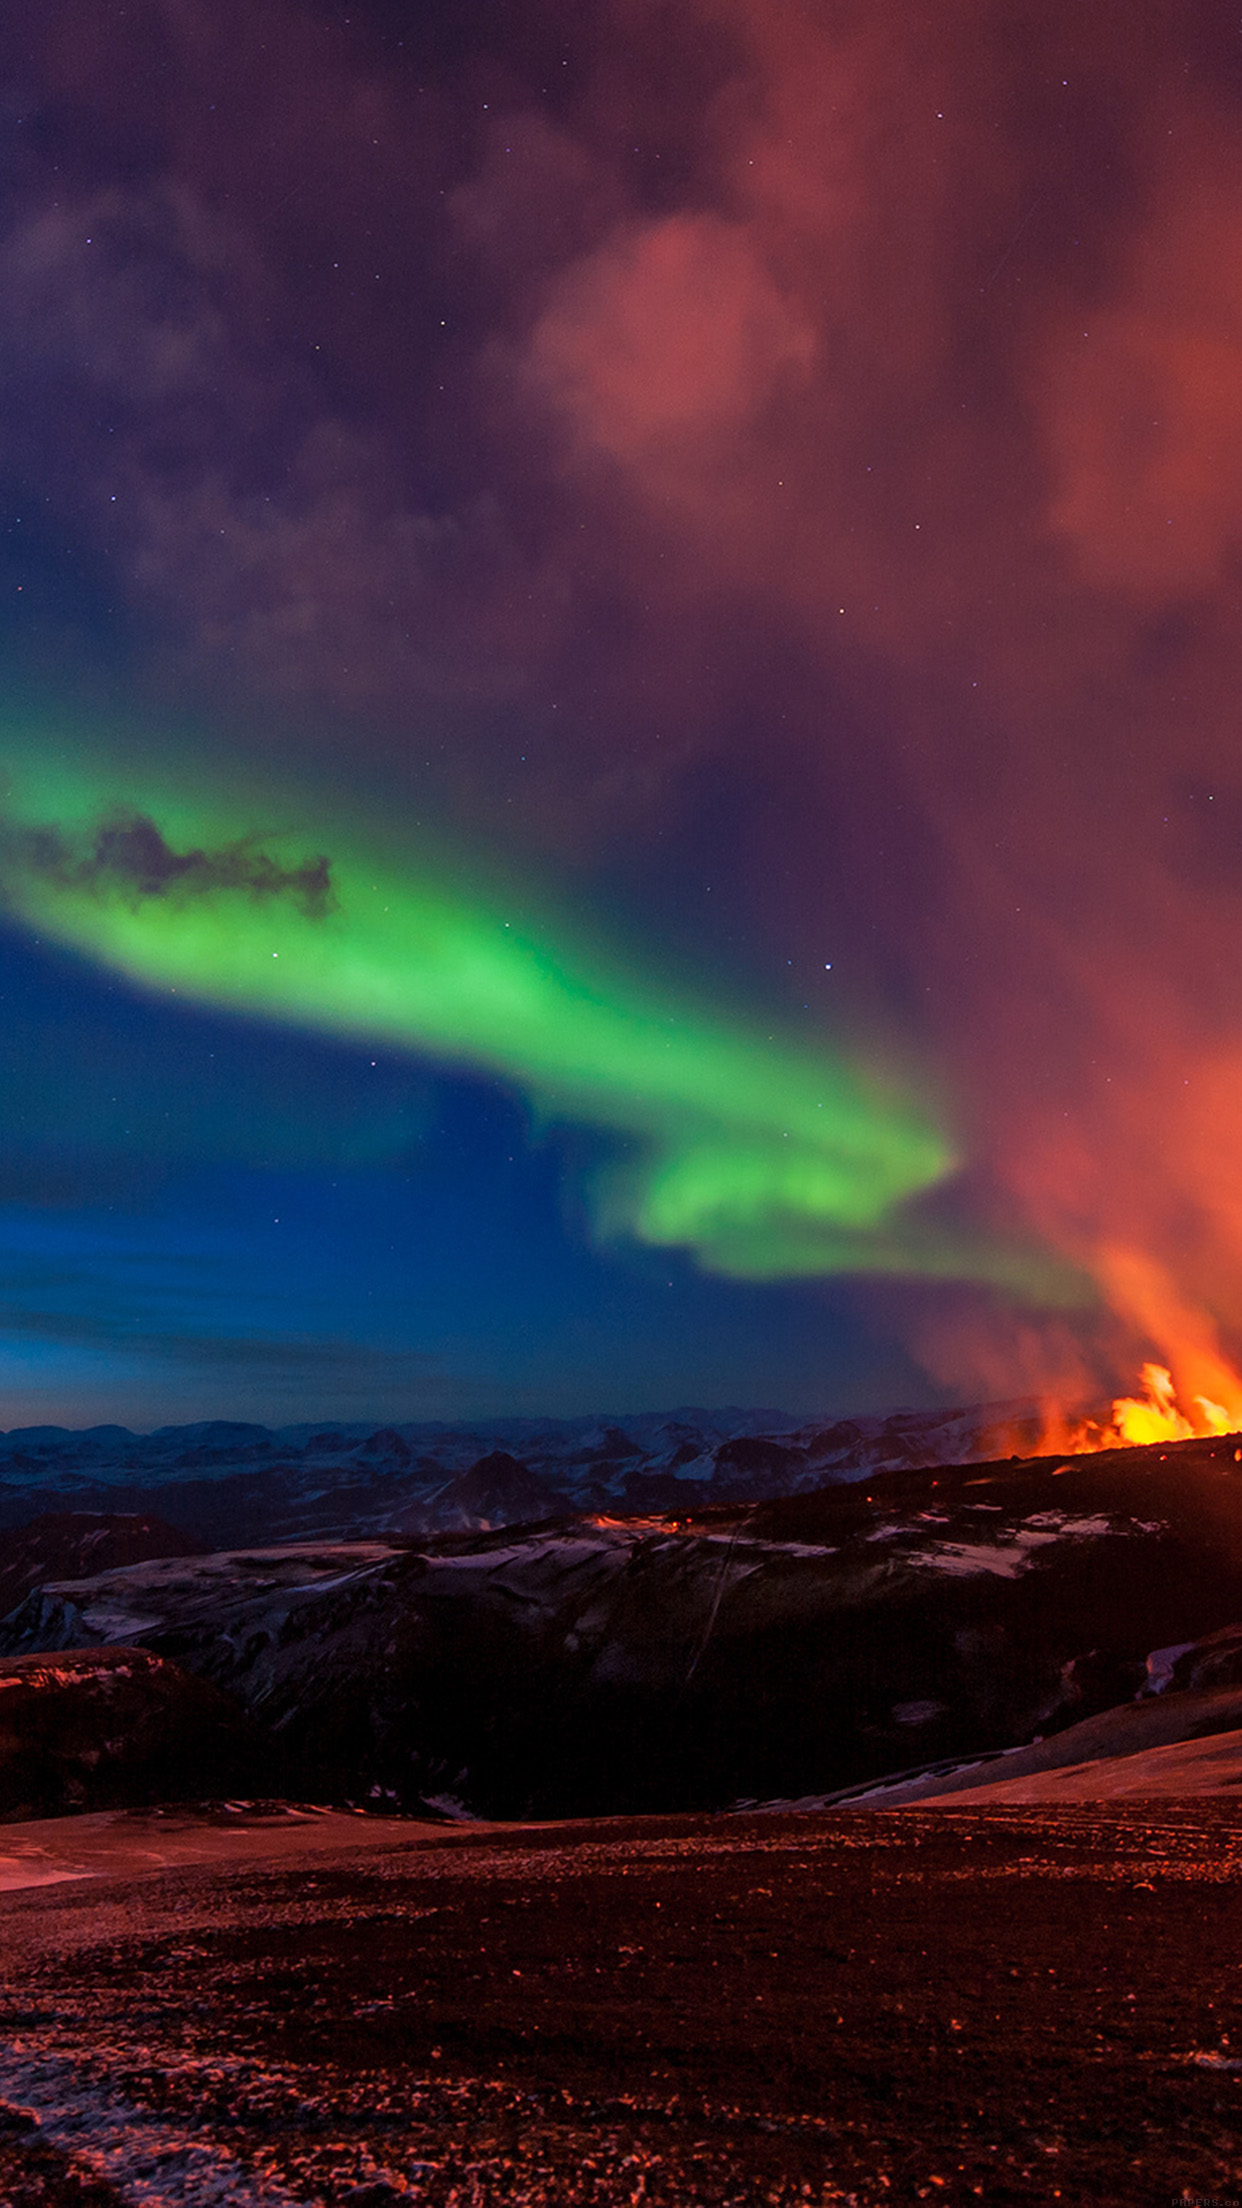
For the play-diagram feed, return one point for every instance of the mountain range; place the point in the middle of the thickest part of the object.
(223, 1482)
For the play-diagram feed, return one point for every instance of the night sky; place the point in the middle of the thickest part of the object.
(621, 735)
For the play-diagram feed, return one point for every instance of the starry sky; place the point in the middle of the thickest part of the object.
(621, 712)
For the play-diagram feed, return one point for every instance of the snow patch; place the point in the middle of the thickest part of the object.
(1005, 1559)
(151, 2163)
(1160, 1665)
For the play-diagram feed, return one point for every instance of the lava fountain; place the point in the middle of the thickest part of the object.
(1193, 1393)
(1155, 1415)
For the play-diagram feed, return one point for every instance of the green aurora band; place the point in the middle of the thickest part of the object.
(764, 1157)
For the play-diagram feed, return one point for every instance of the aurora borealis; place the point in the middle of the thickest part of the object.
(618, 764)
(762, 1159)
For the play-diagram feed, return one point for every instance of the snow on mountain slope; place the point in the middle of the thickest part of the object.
(1212, 1766)
(1177, 1743)
(689, 1659)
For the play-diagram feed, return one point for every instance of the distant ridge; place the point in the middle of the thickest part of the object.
(225, 1480)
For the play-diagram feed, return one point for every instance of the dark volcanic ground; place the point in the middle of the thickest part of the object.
(1010, 2006)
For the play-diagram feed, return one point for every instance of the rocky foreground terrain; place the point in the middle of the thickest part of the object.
(859, 2007)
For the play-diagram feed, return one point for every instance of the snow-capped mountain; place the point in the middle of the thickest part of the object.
(224, 1482)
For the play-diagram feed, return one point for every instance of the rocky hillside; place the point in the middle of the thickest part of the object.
(73, 1544)
(103, 1728)
(696, 1658)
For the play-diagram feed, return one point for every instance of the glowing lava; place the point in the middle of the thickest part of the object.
(1155, 1415)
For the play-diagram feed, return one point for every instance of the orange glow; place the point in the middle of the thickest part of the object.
(1195, 1394)
(1142, 1292)
(1155, 1415)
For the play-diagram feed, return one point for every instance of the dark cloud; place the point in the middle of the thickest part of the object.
(129, 856)
(282, 1373)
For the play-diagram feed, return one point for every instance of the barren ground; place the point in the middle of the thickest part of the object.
(948, 2004)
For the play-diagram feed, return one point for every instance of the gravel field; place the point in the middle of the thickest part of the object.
(1016, 2004)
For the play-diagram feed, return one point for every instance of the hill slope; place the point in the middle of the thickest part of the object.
(790, 1647)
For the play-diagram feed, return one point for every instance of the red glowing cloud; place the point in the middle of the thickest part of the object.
(1139, 397)
(960, 430)
(668, 346)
